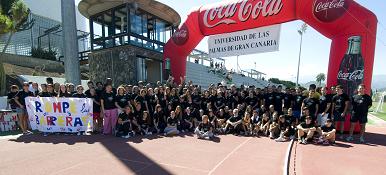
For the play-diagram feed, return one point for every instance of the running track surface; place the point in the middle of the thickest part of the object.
(184, 154)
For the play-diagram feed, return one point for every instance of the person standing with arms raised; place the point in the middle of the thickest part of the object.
(361, 103)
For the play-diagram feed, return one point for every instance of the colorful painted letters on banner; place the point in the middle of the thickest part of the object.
(49, 114)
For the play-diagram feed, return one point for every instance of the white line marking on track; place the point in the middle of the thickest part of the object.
(226, 157)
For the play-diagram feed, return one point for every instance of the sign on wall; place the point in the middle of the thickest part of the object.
(49, 114)
(258, 40)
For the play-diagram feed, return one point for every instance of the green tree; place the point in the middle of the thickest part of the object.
(288, 84)
(13, 18)
(320, 78)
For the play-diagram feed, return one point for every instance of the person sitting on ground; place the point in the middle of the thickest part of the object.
(328, 133)
(255, 123)
(284, 128)
(234, 123)
(247, 124)
(204, 130)
(306, 130)
(264, 124)
(274, 131)
(146, 124)
(172, 123)
(124, 127)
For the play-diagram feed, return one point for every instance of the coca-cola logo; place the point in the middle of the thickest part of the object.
(181, 36)
(351, 76)
(330, 10)
(245, 10)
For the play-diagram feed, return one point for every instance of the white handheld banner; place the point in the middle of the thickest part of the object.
(51, 114)
(258, 40)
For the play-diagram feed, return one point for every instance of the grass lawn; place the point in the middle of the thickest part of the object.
(375, 105)
(380, 115)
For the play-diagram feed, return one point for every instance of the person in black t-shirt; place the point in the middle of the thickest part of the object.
(90, 85)
(146, 124)
(124, 127)
(269, 98)
(324, 106)
(306, 130)
(284, 129)
(172, 123)
(63, 91)
(288, 100)
(234, 123)
(360, 108)
(121, 99)
(79, 92)
(204, 130)
(340, 104)
(51, 90)
(312, 104)
(328, 132)
(97, 119)
(159, 119)
(252, 100)
(109, 110)
(298, 101)
(11, 97)
(21, 107)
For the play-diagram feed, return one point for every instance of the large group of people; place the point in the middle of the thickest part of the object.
(310, 115)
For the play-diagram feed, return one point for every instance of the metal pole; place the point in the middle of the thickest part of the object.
(300, 53)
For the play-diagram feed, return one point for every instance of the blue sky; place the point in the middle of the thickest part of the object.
(316, 47)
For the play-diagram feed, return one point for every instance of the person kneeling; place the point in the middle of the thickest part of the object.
(204, 130)
(328, 133)
(124, 127)
(306, 130)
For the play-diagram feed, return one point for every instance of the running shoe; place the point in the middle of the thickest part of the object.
(349, 138)
(362, 140)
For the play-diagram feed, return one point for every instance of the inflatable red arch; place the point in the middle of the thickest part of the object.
(338, 20)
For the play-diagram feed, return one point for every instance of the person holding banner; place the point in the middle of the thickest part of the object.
(63, 91)
(21, 108)
(109, 110)
(79, 92)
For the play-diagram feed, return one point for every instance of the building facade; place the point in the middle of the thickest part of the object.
(127, 39)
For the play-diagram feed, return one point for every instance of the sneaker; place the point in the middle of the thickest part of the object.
(280, 139)
(79, 134)
(326, 142)
(292, 137)
(45, 134)
(349, 138)
(29, 133)
(361, 139)
(320, 140)
(304, 141)
(127, 136)
(207, 138)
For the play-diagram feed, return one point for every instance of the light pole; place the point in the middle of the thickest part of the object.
(301, 31)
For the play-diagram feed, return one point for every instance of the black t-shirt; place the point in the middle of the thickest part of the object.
(196, 100)
(361, 105)
(278, 102)
(269, 99)
(172, 121)
(298, 100)
(288, 98)
(340, 102)
(47, 94)
(96, 107)
(323, 101)
(124, 117)
(235, 118)
(252, 101)
(76, 95)
(311, 104)
(289, 118)
(108, 100)
(64, 95)
(122, 100)
(327, 129)
(205, 126)
(11, 97)
(220, 101)
(87, 93)
(189, 116)
(306, 126)
(22, 95)
(159, 117)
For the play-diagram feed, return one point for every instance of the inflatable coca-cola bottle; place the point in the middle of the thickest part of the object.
(351, 70)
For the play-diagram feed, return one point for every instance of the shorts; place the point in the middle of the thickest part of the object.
(361, 119)
(96, 116)
(20, 111)
(338, 117)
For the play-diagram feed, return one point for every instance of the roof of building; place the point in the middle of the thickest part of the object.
(91, 7)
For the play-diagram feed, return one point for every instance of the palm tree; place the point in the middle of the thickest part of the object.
(320, 77)
(13, 18)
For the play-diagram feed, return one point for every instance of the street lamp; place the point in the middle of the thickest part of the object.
(301, 31)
